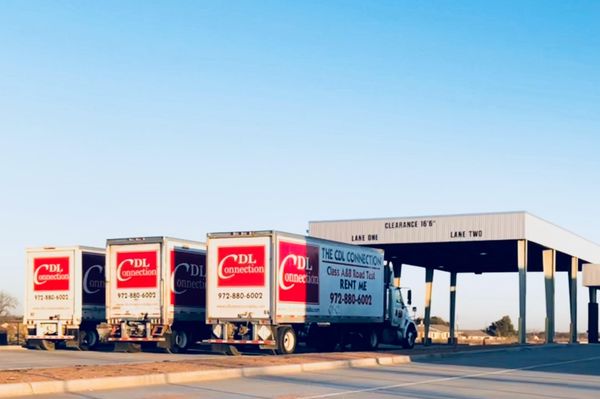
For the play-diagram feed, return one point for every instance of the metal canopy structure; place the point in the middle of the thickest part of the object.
(474, 243)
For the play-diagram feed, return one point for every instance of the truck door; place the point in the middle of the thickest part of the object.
(397, 307)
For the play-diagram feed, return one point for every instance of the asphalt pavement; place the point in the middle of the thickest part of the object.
(556, 372)
(21, 358)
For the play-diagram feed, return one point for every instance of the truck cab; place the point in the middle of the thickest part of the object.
(399, 318)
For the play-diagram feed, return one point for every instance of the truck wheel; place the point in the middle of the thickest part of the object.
(47, 345)
(179, 341)
(88, 339)
(365, 340)
(286, 341)
(371, 339)
(409, 339)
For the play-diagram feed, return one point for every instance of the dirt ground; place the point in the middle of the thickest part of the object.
(225, 362)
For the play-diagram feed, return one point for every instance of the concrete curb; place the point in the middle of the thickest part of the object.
(93, 384)
(103, 383)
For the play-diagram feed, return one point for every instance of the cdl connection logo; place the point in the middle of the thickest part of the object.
(137, 269)
(242, 266)
(298, 273)
(51, 274)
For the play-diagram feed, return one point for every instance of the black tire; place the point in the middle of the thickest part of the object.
(47, 345)
(371, 339)
(408, 342)
(286, 341)
(88, 339)
(180, 341)
(365, 340)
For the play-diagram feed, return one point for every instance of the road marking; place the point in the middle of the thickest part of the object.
(445, 379)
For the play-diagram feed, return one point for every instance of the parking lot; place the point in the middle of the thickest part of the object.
(20, 358)
(541, 372)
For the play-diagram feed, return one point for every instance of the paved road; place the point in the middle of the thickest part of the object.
(19, 358)
(26, 358)
(565, 372)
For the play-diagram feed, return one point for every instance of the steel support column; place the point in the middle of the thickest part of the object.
(397, 273)
(522, 265)
(593, 316)
(452, 339)
(427, 318)
(549, 266)
(573, 299)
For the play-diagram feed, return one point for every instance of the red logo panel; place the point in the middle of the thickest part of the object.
(51, 274)
(298, 274)
(241, 266)
(137, 269)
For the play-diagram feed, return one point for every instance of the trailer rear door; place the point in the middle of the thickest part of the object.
(51, 285)
(134, 276)
(239, 278)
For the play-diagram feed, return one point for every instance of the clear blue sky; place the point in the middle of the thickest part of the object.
(181, 118)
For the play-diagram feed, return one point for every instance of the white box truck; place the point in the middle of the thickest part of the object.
(64, 296)
(272, 290)
(156, 292)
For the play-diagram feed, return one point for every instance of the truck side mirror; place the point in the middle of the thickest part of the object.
(409, 297)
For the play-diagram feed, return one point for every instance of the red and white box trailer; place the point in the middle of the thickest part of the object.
(272, 290)
(156, 291)
(64, 296)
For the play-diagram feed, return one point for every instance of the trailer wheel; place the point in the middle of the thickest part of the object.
(286, 341)
(88, 339)
(179, 341)
(409, 339)
(47, 345)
